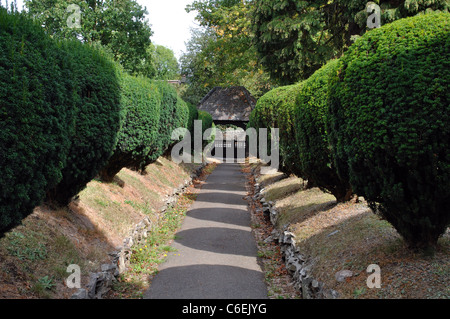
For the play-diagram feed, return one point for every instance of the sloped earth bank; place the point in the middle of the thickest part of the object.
(337, 243)
(35, 255)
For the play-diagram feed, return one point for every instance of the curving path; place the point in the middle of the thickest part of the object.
(216, 251)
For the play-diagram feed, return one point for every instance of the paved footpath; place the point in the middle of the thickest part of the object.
(215, 255)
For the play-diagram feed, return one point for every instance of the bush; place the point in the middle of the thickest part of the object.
(168, 120)
(97, 97)
(175, 113)
(275, 109)
(36, 116)
(314, 155)
(182, 117)
(193, 115)
(207, 120)
(390, 124)
(139, 132)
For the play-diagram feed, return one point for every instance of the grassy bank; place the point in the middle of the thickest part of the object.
(349, 236)
(34, 256)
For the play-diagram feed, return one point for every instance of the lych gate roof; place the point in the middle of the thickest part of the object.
(228, 104)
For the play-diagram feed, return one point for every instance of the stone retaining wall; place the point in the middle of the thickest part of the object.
(100, 282)
(297, 265)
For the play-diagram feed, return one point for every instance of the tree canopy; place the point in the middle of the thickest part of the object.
(119, 25)
(295, 38)
(221, 52)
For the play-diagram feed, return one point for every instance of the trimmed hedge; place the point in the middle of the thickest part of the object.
(37, 113)
(182, 117)
(67, 113)
(390, 124)
(175, 113)
(153, 110)
(207, 120)
(275, 109)
(193, 115)
(97, 98)
(314, 154)
(139, 132)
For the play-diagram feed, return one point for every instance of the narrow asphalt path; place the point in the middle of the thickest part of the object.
(215, 255)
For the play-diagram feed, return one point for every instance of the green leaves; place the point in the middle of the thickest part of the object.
(120, 26)
(40, 112)
(314, 155)
(222, 54)
(390, 126)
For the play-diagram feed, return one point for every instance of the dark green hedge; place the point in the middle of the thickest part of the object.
(275, 109)
(67, 113)
(182, 117)
(390, 123)
(193, 115)
(97, 98)
(140, 130)
(37, 112)
(207, 120)
(175, 113)
(314, 154)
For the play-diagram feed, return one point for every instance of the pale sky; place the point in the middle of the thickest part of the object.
(170, 22)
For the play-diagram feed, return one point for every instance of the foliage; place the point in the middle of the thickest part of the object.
(207, 120)
(276, 110)
(120, 26)
(36, 116)
(389, 123)
(165, 63)
(193, 115)
(314, 154)
(222, 54)
(298, 37)
(139, 132)
(97, 98)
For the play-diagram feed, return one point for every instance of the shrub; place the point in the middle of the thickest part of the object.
(193, 115)
(182, 117)
(139, 132)
(36, 116)
(390, 124)
(168, 120)
(314, 155)
(207, 120)
(275, 110)
(174, 114)
(97, 96)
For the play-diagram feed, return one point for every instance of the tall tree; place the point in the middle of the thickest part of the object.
(119, 25)
(165, 63)
(221, 53)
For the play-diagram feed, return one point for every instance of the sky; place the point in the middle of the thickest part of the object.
(170, 22)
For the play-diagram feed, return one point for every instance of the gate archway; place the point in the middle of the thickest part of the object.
(230, 108)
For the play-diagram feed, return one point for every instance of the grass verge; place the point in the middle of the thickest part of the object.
(35, 255)
(348, 236)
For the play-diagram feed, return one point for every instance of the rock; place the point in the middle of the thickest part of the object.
(108, 268)
(100, 284)
(306, 292)
(80, 294)
(315, 284)
(273, 216)
(333, 233)
(343, 274)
